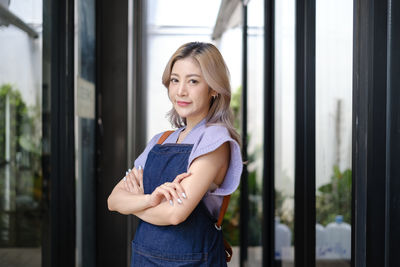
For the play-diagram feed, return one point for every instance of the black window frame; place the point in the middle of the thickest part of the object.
(376, 134)
(58, 162)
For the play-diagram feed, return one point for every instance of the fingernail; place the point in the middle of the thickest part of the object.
(124, 179)
(140, 167)
(179, 201)
(126, 173)
(184, 195)
(170, 202)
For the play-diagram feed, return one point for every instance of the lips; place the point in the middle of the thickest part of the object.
(182, 103)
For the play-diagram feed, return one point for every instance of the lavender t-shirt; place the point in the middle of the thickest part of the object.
(206, 139)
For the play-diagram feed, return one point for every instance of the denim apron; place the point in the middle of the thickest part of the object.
(194, 242)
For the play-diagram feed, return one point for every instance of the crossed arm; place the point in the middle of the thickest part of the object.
(127, 197)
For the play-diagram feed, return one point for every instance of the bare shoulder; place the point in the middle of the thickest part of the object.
(217, 162)
(220, 155)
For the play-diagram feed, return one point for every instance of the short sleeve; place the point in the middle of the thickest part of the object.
(141, 160)
(212, 138)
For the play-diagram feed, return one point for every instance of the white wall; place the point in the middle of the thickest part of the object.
(20, 55)
(171, 23)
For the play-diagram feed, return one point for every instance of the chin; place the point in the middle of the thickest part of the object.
(182, 115)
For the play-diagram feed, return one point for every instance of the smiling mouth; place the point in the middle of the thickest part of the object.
(182, 103)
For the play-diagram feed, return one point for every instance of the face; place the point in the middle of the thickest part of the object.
(188, 91)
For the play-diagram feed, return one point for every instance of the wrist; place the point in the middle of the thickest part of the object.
(147, 200)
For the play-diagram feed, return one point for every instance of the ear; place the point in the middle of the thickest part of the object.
(212, 92)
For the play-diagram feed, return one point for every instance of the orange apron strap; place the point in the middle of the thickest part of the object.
(164, 136)
(228, 251)
(227, 246)
(222, 211)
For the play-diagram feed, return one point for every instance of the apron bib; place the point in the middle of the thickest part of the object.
(194, 242)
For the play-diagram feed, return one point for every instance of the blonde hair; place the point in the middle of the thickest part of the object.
(216, 75)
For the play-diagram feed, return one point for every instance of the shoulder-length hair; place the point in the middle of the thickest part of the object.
(216, 75)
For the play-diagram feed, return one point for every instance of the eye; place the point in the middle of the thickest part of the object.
(174, 80)
(193, 81)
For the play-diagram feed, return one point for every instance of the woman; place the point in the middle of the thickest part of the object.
(179, 192)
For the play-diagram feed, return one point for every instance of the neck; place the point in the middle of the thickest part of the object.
(192, 122)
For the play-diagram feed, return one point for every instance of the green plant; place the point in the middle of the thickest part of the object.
(284, 214)
(20, 225)
(232, 216)
(334, 198)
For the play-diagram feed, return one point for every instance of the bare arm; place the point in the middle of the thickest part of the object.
(125, 201)
(204, 170)
(128, 195)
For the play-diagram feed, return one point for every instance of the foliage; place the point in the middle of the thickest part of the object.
(285, 215)
(24, 167)
(18, 107)
(334, 198)
(232, 216)
(235, 106)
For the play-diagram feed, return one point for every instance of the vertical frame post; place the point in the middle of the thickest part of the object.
(58, 134)
(392, 233)
(244, 192)
(369, 132)
(304, 228)
(268, 187)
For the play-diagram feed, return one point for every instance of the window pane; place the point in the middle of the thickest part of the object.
(284, 131)
(255, 110)
(85, 87)
(334, 35)
(20, 135)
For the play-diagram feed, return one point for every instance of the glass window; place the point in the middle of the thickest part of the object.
(21, 134)
(230, 45)
(334, 46)
(255, 112)
(284, 130)
(85, 87)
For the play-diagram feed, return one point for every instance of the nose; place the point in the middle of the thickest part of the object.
(182, 89)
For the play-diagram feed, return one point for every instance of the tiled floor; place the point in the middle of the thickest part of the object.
(20, 257)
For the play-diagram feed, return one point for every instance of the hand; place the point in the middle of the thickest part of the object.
(133, 181)
(169, 191)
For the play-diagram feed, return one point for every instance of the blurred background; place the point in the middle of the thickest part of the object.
(81, 95)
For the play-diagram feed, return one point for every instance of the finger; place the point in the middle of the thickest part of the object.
(140, 170)
(182, 176)
(171, 189)
(124, 182)
(136, 175)
(166, 194)
(180, 190)
(128, 182)
(133, 179)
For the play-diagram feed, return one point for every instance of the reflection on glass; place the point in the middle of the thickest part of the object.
(334, 20)
(20, 137)
(284, 131)
(85, 131)
(255, 83)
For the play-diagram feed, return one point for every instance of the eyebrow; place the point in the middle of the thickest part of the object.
(187, 76)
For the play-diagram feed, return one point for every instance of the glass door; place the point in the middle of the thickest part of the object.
(85, 90)
(333, 131)
(20, 133)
